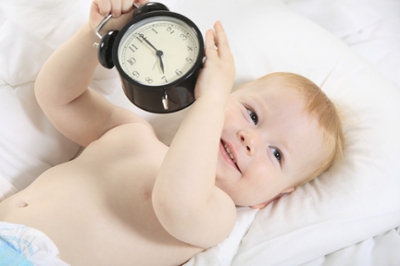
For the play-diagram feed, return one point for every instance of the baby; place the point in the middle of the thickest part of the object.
(128, 199)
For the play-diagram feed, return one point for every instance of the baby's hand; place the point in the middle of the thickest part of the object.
(218, 74)
(121, 10)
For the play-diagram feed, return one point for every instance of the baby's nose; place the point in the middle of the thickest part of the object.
(248, 141)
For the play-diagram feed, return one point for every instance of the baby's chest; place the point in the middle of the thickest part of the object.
(127, 145)
(118, 178)
(126, 159)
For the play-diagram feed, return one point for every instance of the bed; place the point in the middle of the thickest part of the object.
(350, 215)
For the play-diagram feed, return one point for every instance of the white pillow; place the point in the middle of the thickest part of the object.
(358, 198)
(369, 27)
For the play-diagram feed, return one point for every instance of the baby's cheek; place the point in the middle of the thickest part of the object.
(263, 173)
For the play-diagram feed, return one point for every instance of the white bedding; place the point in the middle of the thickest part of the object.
(370, 27)
(348, 216)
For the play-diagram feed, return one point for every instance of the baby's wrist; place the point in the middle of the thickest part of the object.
(86, 39)
(217, 99)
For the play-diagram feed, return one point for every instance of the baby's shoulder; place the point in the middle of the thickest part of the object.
(130, 130)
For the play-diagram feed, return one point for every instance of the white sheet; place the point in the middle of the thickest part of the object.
(352, 209)
(382, 249)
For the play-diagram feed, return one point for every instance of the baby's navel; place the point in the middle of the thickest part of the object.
(22, 204)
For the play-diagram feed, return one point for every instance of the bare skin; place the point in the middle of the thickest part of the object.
(111, 193)
(99, 209)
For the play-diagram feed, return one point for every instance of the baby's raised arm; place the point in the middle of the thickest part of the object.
(186, 201)
(61, 87)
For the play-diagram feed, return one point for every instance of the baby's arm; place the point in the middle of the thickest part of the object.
(185, 199)
(61, 87)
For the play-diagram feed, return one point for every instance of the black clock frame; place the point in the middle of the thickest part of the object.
(179, 93)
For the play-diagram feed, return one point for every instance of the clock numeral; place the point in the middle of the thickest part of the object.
(156, 32)
(183, 37)
(170, 30)
(164, 79)
(133, 48)
(135, 74)
(149, 80)
(189, 48)
(178, 72)
(189, 60)
(131, 61)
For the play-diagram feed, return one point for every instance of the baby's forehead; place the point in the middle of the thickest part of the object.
(275, 93)
(277, 84)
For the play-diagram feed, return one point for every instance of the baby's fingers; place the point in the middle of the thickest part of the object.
(114, 7)
(119, 7)
(221, 40)
(103, 7)
(210, 45)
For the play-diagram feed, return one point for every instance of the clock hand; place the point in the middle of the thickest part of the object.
(159, 53)
(155, 64)
(147, 41)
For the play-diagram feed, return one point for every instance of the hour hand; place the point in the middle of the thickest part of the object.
(159, 53)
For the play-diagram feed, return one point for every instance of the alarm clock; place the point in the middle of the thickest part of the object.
(158, 56)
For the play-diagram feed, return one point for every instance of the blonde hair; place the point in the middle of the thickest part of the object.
(327, 114)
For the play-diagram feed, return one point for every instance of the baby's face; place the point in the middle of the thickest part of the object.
(269, 143)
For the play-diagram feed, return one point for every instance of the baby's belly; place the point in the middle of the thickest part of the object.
(97, 219)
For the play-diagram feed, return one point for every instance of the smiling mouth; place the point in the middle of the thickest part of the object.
(230, 154)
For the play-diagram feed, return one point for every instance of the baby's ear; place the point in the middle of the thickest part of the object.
(288, 191)
(262, 205)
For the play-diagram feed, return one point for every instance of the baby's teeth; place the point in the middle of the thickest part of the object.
(229, 152)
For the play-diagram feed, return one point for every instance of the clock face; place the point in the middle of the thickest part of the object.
(158, 50)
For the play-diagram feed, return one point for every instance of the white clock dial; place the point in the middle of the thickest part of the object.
(158, 50)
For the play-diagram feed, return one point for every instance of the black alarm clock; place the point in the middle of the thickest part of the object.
(158, 55)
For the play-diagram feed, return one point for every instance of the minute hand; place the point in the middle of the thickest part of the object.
(149, 43)
(159, 53)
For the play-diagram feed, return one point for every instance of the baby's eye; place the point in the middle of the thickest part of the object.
(253, 116)
(276, 153)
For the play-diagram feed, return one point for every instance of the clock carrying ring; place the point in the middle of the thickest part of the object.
(101, 25)
(107, 40)
(105, 20)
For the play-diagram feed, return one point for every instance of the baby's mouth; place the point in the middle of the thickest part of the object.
(230, 154)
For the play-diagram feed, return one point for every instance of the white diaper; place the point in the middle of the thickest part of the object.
(22, 245)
